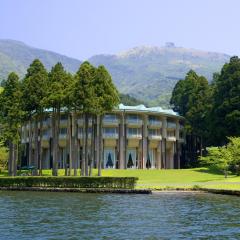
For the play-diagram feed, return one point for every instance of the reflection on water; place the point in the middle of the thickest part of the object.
(43, 215)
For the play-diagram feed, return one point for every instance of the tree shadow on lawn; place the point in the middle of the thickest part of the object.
(210, 170)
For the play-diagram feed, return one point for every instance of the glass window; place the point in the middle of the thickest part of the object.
(109, 130)
(171, 133)
(110, 117)
(134, 131)
(133, 117)
(63, 131)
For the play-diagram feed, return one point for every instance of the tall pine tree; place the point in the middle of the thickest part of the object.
(107, 98)
(11, 115)
(85, 102)
(226, 102)
(35, 88)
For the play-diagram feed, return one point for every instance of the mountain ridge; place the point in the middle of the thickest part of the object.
(147, 73)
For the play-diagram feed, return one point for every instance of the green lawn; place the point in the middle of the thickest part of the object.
(174, 178)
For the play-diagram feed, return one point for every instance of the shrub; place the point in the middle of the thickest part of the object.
(3, 156)
(69, 182)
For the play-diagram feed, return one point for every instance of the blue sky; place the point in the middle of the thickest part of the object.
(82, 28)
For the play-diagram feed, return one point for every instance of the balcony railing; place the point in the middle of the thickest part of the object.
(45, 137)
(132, 121)
(155, 123)
(63, 122)
(110, 121)
(80, 122)
(110, 135)
(171, 138)
(81, 135)
(154, 137)
(171, 125)
(62, 136)
(134, 136)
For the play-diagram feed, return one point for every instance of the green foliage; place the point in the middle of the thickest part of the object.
(106, 93)
(35, 87)
(218, 157)
(226, 102)
(224, 157)
(3, 156)
(234, 148)
(83, 91)
(11, 112)
(70, 182)
(59, 81)
(191, 97)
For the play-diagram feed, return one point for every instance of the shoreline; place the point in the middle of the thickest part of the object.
(79, 190)
(124, 191)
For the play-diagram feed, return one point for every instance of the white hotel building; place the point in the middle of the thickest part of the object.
(133, 137)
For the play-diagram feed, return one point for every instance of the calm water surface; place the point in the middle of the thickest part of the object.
(37, 215)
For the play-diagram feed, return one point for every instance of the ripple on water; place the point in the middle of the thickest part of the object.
(43, 215)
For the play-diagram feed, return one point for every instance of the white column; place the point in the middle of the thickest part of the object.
(144, 141)
(164, 141)
(122, 139)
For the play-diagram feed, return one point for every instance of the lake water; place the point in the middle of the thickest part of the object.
(45, 215)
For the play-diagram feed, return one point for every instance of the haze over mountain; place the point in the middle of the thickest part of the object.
(16, 56)
(147, 73)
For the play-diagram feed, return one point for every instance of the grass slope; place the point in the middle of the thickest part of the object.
(174, 178)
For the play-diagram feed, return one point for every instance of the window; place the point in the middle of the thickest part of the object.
(181, 134)
(171, 124)
(171, 133)
(64, 117)
(133, 117)
(154, 132)
(80, 130)
(63, 130)
(154, 120)
(134, 131)
(110, 117)
(109, 130)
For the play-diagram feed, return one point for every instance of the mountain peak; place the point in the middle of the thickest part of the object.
(170, 44)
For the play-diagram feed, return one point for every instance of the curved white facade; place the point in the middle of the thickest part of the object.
(132, 137)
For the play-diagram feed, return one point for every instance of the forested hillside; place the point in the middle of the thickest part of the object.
(146, 73)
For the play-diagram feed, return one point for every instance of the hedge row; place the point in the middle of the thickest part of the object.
(69, 182)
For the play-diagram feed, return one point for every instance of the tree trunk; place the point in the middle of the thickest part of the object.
(86, 144)
(70, 142)
(36, 151)
(225, 173)
(10, 160)
(30, 144)
(74, 154)
(57, 130)
(92, 146)
(15, 160)
(54, 161)
(83, 147)
(100, 145)
(40, 146)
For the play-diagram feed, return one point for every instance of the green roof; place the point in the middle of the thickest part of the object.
(143, 108)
